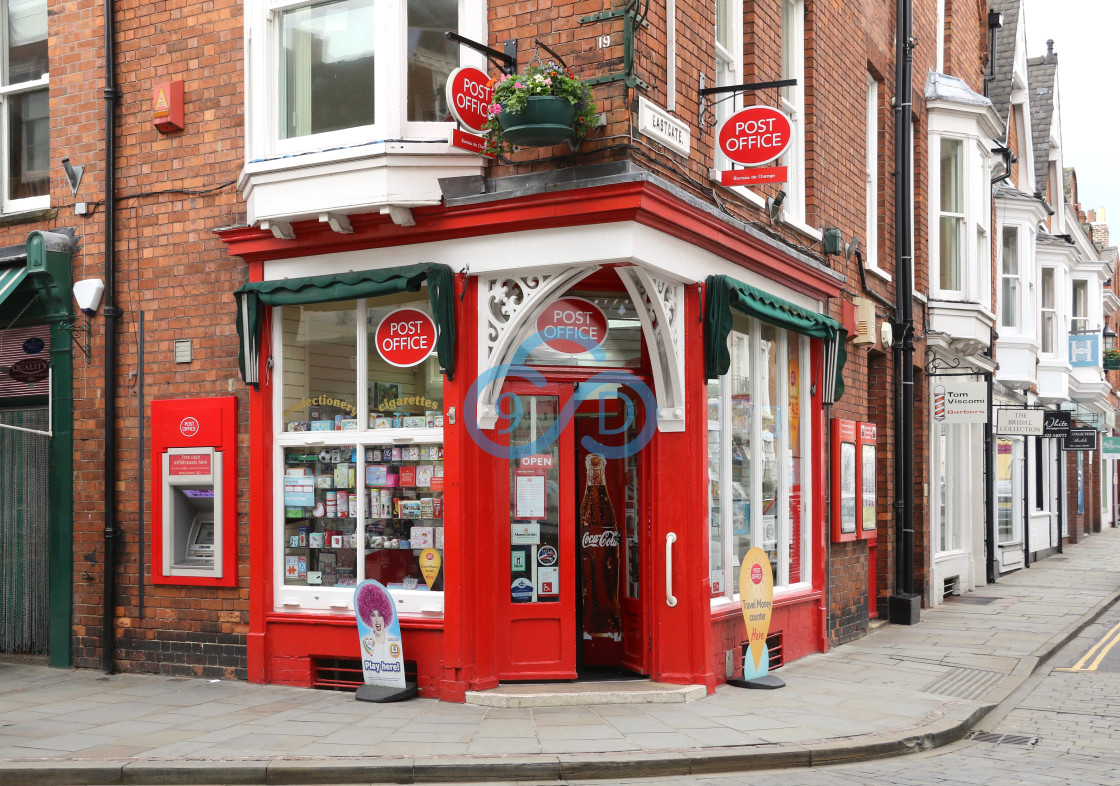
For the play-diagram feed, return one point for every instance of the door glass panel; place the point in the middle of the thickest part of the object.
(741, 417)
(633, 525)
(716, 537)
(534, 477)
(772, 427)
(794, 384)
(1004, 498)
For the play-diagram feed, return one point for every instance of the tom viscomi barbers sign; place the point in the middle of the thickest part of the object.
(960, 402)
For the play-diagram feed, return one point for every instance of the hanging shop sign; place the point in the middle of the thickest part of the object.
(406, 337)
(754, 136)
(1021, 422)
(1084, 350)
(957, 401)
(1080, 439)
(756, 593)
(379, 635)
(1056, 424)
(572, 325)
(469, 96)
(1110, 447)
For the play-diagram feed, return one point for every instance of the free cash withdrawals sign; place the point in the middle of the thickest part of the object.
(955, 401)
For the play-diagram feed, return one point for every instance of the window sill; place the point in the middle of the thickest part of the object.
(28, 216)
(878, 272)
(350, 180)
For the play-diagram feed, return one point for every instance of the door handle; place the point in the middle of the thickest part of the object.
(670, 539)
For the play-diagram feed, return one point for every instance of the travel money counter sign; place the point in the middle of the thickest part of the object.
(756, 594)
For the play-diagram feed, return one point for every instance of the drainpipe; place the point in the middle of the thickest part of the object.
(903, 324)
(111, 312)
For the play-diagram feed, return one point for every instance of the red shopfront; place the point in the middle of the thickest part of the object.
(557, 477)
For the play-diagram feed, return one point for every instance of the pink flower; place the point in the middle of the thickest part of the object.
(495, 108)
(519, 86)
(548, 81)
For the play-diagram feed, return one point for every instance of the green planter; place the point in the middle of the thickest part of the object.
(545, 121)
(1111, 364)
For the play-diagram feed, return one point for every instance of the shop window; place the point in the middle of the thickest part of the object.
(620, 348)
(360, 462)
(758, 445)
(24, 96)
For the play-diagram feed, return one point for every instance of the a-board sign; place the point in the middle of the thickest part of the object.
(756, 593)
(1022, 422)
(1080, 439)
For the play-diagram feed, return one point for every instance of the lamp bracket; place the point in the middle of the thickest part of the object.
(506, 61)
(76, 328)
(707, 106)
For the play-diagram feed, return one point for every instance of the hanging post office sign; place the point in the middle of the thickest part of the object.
(1019, 422)
(958, 401)
(755, 135)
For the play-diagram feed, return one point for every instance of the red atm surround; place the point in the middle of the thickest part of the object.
(206, 424)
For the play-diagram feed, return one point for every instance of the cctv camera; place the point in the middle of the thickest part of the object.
(88, 293)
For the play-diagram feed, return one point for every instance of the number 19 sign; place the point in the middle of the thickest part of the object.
(753, 136)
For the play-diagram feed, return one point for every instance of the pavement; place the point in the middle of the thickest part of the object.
(898, 690)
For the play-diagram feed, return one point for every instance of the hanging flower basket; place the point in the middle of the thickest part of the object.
(544, 105)
(545, 121)
(1112, 360)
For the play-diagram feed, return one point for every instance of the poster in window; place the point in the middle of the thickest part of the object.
(529, 501)
(847, 487)
(869, 522)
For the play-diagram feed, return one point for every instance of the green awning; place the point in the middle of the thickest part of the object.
(346, 286)
(10, 278)
(725, 293)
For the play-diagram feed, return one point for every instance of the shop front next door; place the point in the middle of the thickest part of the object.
(575, 539)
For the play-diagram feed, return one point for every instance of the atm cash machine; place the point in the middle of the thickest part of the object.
(192, 481)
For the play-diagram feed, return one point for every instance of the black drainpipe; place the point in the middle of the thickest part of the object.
(111, 312)
(903, 605)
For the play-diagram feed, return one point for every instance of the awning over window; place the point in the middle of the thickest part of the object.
(346, 286)
(10, 278)
(725, 293)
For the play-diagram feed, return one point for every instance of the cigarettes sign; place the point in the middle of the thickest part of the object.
(755, 135)
(406, 337)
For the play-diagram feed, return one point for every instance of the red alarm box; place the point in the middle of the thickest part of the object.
(167, 106)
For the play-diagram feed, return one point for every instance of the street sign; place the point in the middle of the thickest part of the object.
(1080, 439)
(1021, 422)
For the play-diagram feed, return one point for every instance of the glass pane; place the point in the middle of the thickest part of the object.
(431, 57)
(321, 516)
(795, 453)
(950, 252)
(1080, 300)
(401, 397)
(1004, 503)
(27, 41)
(320, 348)
(326, 68)
(951, 186)
(29, 151)
(535, 505)
(724, 23)
(1011, 251)
(868, 490)
(1048, 287)
(716, 565)
(633, 566)
(770, 386)
(1010, 302)
(789, 67)
(941, 484)
(739, 380)
(403, 497)
(1048, 332)
(621, 348)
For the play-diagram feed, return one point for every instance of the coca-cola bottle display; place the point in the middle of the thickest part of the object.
(599, 540)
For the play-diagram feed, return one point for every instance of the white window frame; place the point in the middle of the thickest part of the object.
(297, 598)
(974, 216)
(793, 104)
(729, 71)
(940, 34)
(8, 204)
(784, 525)
(1080, 322)
(1049, 313)
(871, 202)
(262, 31)
(1012, 280)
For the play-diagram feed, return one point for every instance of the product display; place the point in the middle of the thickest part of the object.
(333, 525)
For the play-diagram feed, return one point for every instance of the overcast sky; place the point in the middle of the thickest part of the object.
(1085, 38)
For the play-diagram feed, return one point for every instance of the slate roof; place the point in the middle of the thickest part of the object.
(999, 86)
(1041, 74)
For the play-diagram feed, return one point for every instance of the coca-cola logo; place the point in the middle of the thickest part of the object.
(604, 540)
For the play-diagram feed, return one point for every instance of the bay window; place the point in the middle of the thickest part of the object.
(1010, 280)
(759, 448)
(25, 100)
(951, 203)
(359, 464)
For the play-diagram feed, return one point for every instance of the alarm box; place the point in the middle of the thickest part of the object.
(167, 106)
(194, 490)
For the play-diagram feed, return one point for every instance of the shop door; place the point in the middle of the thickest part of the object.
(24, 531)
(610, 536)
(537, 598)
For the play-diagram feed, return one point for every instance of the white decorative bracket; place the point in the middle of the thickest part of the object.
(402, 216)
(660, 306)
(339, 224)
(281, 230)
(506, 304)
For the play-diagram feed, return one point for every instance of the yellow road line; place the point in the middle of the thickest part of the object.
(1080, 665)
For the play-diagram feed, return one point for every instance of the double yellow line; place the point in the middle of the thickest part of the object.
(1099, 650)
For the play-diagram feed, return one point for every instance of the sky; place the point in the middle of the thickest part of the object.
(1085, 39)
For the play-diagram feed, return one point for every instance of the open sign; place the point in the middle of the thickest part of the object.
(469, 96)
(572, 325)
(405, 337)
(755, 135)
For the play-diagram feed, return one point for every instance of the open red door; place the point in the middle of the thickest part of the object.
(537, 615)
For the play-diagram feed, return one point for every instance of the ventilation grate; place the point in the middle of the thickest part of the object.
(774, 645)
(951, 586)
(346, 673)
(1004, 739)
